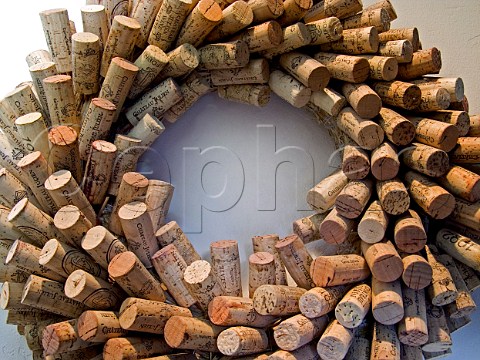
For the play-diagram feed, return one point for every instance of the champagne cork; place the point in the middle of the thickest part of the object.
(345, 67)
(32, 132)
(399, 94)
(425, 159)
(474, 126)
(134, 347)
(308, 71)
(147, 130)
(454, 86)
(34, 223)
(257, 95)
(133, 277)
(266, 243)
(171, 233)
(289, 89)
(242, 340)
(401, 50)
(433, 199)
(353, 199)
(201, 21)
(261, 37)
(325, 30)
(170, 267)
(383, 260)
(64, 260)
(460, 119)
(442, 291)
(235, 17)
(410, 34)
(12, 190)
(328, 100)
(149, 316)
(335, 341)
(367, 134)
(120, 42)
(56, 27)
(294, 37)
(385, 343)
(336, 270)
(335, 228)
(354, 306)
(355, 41)
(383, 68)
(412, 329)
(466, 151)
(460, 247)
(409, 233)
(138, 229)
(362, 99)
(145, 12)
(387, 302)
(11, 296)
(373, 225)
(393, 196)
(339, 8)
(261, 271)
(22, 101)
(38, 57)
(194, 334)
(397, 128)
(331, 186)
(320, 301)
(92, 291)
(224, 55)
(99, 326)
(94, 20)
(264, 10)
(150, 63)
(98, 170)
(72, 223)
(86, 63)
(62, 337)
(156, 101)
(433, 99)
(102, 245)
(307, 228)
(237, 311)
(385, 162)
(461, 182)
(64, 153)
(438, 334)
(378, 18)
(423, 62)
(96, 124)
(48, 295)
(277, 300)
(202, 282)
(469, 276)
(64, 190)
(255, 72)
(297, 331)
(181, 61)
(61, 101)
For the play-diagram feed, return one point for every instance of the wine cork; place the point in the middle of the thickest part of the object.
(383, 260)
(289, 89)
(460, 119)
(328, 100)
(34, 223)
(362, 99)
(433, 99)
(255, 72)
(11, 134)
(307, 228)
(194, 334)
(367, 134)
(387, 302)
(423, 62)
(383, 4)
(438, 334)
(354, 306)
(294, 37)
(385, 162)
(62, 105)
(147, 130)
(264, 10)
(345, 67)
(397, 128)
(145, 12)
(72, 223)
(277, 300)
(442, 290)
(331, 186)
(297, 331)
(322, 248)
(120, 42)
(463, 229)
(48, 295)
(224, 55)
(12, 190)
(29, 317)
(181, 61)
(158, 198)
(136, 347)
(335, 341)
(361, 344)
(461, 182)
(64, 154)
(410, 352)
(373, 225)
(293, 11)
(92, 291)
(400, 50)
(353, 199)
(116, 7)
(38, 57)
(257, 95)
(399, 94)
(156, 101)
(12, 274)
(266, 243)
(261, 37)
(11, 296)
(86, 52)
(466, 151)
(235, 17)
(469, 276)
(393, 196)
(460, 247)
(242, 340)
(237, 311)
(338, 8)
(99, 326)
(94, 20)
(261, 271)
(320, 301)
(454, 86)
(425, 159)
(308, 71)
(409, 233)
(412, 329)
(171, 233)
(33, 335)
(325, 30)
(21, 101)
(170, 267)
(474, 126)
(150, 63)
(8, 232)
(201, 21)
(455, 324)
(383, 68)
(202, 282)
(56, 27)
(32, 132)
(335, 228)
(148, 315)
(410, 34)
(102, 245)
(62, 337)
(385, 343)
(378, 18)
(433, 199)
(355, 41)
(335, 270)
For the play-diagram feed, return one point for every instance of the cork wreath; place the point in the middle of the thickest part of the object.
(91, 268)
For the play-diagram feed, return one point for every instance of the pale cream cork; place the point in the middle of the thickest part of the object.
(102, 245)
(320, 301)
(12, 190)
(62, 337)
(62, 105)
(261, 271)
(460, 247)
(366, 133)
(21, 101)
(305, 69)
(11, 296)
(86, 53)
(38, 57)
(72, 223)
(99, 326)
(354, 306)
(294, 37)
(228, 55)
(401, 50)
(298, 330)
(235, 17)
(147, 130)
(256, 95)
(145, 12)
(181, 61)
(255, 72)
(158, 198)
(289, 89)
(336, 270)
(328, 100)
(32, 131)
(387, 302)
(56, 27)
(242, 340)
(266, 243)
(94, 20)
(277, 300)
(116, 7)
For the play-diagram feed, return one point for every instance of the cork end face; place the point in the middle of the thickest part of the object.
(175, 331)
(29, 118)
(5, 295)
(189, 56)
(387, 267)
(229, 342)
(287, 336)
(85, 37)
(322, 271)
(371, 231)
(87, 325)
(197, 272)
(135, 179)
(50, 341)
(57, 79)
(92, 8)
(126, 21)
(48, 251)
(412, 97)
(403, 133)
(219, 309)
(124, 64)
(104, 104)
(172, 226)
(94, 237)
(210, 10)
(75, 283)
(417, 272)
(287, 241)
(17, 209)
(132, 210)
(104, 146)
(67, 217)
(58, 180)
(30, 159)
(361, 70)
(441, 206)
(224, 244)
(42, 67)
(312, 305)
(261, 258)
(128, 317)
(122, 264)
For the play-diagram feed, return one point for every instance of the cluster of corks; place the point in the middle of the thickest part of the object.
(91, 270)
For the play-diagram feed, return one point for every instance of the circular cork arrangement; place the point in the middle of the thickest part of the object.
(93, 266)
